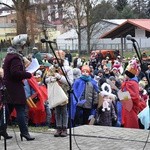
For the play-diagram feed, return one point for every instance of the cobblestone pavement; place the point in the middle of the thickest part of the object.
(86, 137)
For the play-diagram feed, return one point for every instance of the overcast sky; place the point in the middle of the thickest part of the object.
(9, 2)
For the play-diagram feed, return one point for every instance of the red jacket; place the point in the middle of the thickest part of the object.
(129, 118)
(38, 114)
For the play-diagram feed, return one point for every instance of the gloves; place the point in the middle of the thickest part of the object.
(52, 79)
(58, 76)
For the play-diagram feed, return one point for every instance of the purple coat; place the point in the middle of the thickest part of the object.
(14, 73)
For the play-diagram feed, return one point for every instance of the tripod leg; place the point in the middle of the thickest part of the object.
(3, 124)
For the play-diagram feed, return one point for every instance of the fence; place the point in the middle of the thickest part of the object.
(114, 46)
(63, 46)
(3, 52)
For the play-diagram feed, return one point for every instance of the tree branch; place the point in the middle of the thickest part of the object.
(7, 5)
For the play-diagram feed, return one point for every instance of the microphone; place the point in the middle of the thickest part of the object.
(130, 38)
(47, 41)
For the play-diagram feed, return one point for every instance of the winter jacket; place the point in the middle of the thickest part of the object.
(14, 74)
(91, 94)
(129, 118)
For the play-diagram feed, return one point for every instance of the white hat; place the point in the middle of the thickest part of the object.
(35, 48)
(20, 39)
(39, 72)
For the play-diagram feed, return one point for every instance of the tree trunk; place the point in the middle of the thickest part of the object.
(79, 42)
(21, 22)
(88, 40)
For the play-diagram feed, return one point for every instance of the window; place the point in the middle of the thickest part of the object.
(13, 21)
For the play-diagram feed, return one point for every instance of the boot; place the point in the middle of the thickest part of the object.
(5, 135)
(58, 132)
(64, 132)
(27, 137)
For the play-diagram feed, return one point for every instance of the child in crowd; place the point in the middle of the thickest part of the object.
(106, 114)
(61, 111)
(86, 91)
(143, 96)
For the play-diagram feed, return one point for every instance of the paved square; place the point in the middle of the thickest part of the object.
(87, 137)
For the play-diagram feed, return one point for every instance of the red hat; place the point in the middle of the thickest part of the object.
(85, 67)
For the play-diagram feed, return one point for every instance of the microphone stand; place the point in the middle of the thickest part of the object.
(69, 93)
(141, 63)
(4, 124)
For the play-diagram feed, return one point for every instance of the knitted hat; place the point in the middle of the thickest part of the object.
(85, 67)
(114, 68)
(100, 71)
(20, 39)
(39, 72)
(112, 78)
(142, 84)
(76, 73)
(131, 69)
(116, 64)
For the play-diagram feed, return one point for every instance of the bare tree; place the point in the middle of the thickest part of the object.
(26, 17)
(21, 7)
(75, 17)
(82, 18)
(88, 7)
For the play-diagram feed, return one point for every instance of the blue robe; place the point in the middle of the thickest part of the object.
(78, 89)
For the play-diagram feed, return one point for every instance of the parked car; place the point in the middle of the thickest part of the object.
(112, 54)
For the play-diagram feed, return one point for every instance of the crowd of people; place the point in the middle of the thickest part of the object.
(103, 91)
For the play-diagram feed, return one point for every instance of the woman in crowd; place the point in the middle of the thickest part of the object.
(61, 111)
(14, 74)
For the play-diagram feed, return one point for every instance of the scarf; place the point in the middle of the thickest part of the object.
(86, 78)
(13, 50)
